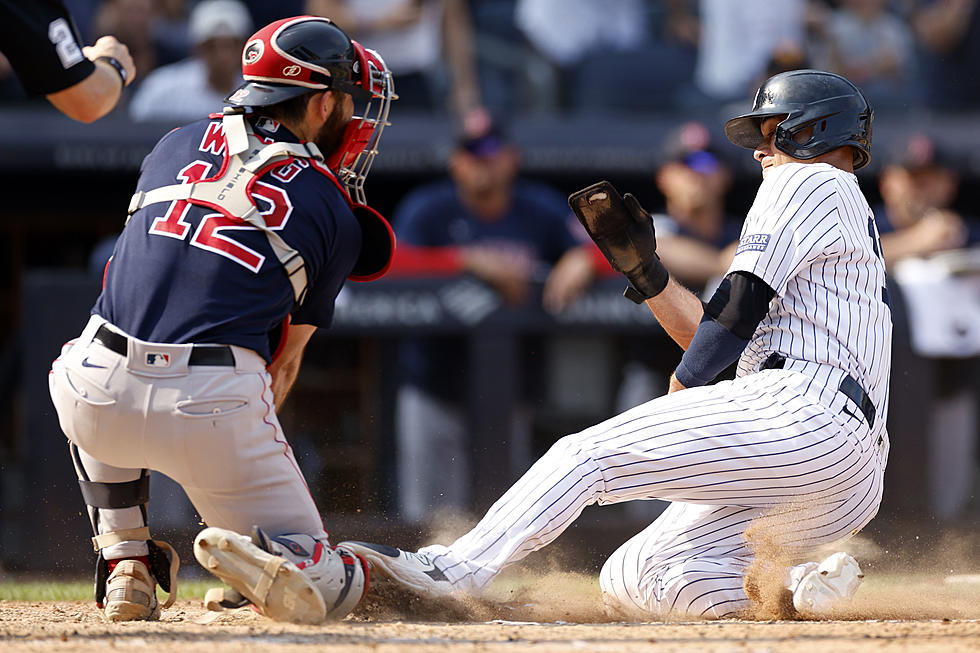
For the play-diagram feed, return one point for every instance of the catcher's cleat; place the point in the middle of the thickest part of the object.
(828, 587)
(412, 570)
(131, 593)
(272, 583)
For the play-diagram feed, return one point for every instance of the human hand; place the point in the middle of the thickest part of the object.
(109, 46)
(507, 271)
(939, 229)
(568, 279)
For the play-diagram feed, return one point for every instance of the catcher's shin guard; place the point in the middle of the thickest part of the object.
(126, 593)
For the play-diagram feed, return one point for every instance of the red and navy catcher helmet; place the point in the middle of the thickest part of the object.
(297, 55)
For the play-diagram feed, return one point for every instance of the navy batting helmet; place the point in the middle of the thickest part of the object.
(836, 109)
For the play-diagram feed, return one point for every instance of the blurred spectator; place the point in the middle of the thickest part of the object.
(427, 44)
(621, 56)
(565, 30)
(264, 12)
(919, 186)
(695, 239)
(874, 48)
(510, 233)
(170, 31)
(738, 40)
(936, 341)
(198, 85)
(948, 32)
(132, 22)
(513, 76)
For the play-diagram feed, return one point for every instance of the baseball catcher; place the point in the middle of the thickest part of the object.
(242, 231)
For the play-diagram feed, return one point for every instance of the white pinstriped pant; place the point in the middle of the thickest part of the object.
(725, 455)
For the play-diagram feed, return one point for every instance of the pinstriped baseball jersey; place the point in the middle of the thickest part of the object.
(811, 236)
(787, 447)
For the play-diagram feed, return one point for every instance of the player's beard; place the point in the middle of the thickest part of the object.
(331, 135)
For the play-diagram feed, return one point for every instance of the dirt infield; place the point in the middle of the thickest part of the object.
(189, 628)
(559, 614)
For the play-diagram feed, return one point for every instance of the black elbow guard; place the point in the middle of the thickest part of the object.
(740, 302)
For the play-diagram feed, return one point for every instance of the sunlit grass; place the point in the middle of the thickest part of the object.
(81, 590)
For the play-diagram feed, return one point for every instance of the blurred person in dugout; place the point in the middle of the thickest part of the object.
(932, 252)
(154, 30)
(696, 239)
(428, 44)
(870, 44)
(516, 237)
(197, 85)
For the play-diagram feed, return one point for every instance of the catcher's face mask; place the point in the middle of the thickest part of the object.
(296, 55)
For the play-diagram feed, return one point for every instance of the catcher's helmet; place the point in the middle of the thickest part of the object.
(836, 109)
(296, 55)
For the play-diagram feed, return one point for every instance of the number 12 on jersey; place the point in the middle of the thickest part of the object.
(209, 234)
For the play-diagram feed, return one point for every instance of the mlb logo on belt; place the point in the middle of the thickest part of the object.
(158, 360)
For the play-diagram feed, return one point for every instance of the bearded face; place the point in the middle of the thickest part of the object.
(331, 134)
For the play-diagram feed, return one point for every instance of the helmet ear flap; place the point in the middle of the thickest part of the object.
(360, 68)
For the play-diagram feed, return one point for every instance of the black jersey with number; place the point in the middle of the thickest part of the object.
(41, 41)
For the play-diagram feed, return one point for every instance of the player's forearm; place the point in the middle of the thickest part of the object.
(285, 368)
(678, 311)
(692, 261)
(91, 98)
(283, 380)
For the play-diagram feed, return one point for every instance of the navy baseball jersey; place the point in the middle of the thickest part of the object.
(537, 221)
(535, 227)
(182, 273)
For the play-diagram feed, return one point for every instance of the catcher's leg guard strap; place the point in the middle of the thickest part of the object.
(116, 495)
(164, 563)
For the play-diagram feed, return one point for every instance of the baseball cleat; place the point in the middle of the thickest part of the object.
(131, 593)
(411, 570)
(828, 587)
(273, 584)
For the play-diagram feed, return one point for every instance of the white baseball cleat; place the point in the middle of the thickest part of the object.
(411, 570)
(272, 583)
(131, 593)
(828, 587)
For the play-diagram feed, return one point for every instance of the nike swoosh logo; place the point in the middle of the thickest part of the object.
(85, 363)
(436, 574)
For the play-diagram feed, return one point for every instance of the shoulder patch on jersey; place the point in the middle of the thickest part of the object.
(753, 243)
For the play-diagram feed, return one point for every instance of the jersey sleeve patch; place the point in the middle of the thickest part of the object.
(753, 243)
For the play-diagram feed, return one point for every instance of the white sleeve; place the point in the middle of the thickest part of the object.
(793, 220)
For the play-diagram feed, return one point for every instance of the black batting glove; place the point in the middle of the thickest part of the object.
(624, 233)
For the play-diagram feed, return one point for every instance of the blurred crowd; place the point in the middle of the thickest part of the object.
(474, 59)
(519, 57)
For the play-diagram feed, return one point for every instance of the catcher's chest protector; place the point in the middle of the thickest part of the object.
(246, 159)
